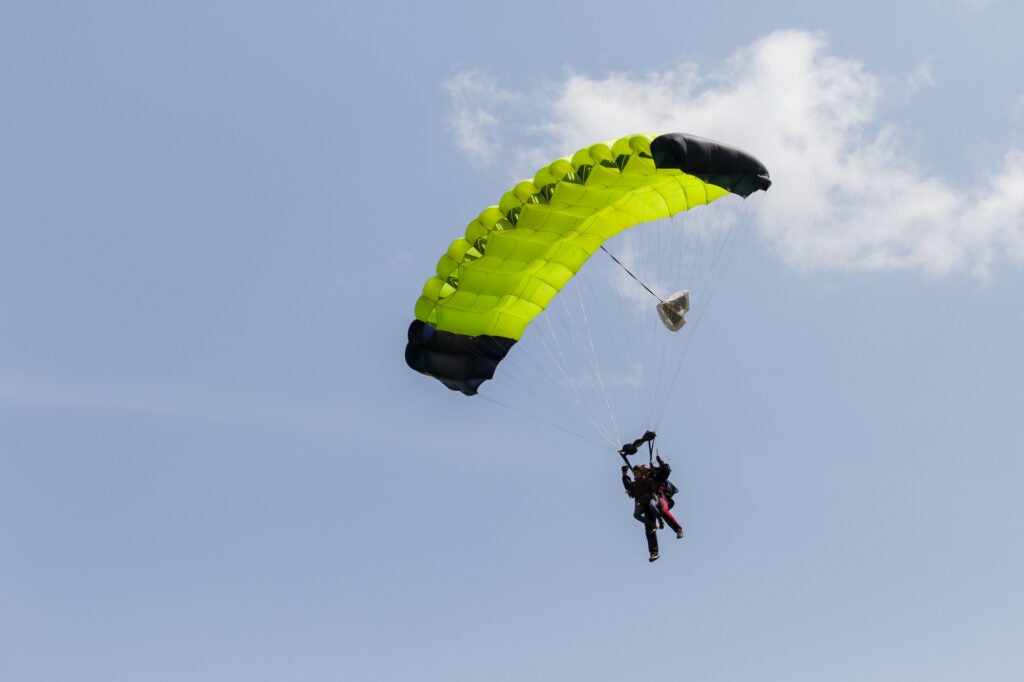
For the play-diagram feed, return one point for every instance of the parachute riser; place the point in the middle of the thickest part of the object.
(632, 448)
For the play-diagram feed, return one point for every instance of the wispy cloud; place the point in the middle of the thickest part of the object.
(191, 403)
(845, 195)
(1018, 106)
(920, 78)
(474, 121)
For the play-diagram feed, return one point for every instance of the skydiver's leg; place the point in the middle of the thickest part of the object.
(652, 538)
(653, 512)
(664, 512)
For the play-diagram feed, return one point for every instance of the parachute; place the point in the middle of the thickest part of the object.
(494, 282)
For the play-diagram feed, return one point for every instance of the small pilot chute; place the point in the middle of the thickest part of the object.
(673, 309)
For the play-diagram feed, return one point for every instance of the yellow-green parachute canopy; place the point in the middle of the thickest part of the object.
(516, 256)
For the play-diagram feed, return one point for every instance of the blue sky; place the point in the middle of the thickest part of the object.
(215, 219)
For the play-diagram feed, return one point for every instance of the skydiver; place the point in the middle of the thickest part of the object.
(643, 488)
(663, 501)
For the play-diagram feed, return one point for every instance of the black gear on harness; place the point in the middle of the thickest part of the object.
(632, 448)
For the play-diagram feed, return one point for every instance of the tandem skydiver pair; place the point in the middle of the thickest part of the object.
(651, 491)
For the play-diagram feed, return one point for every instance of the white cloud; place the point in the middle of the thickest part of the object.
(844, 197)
